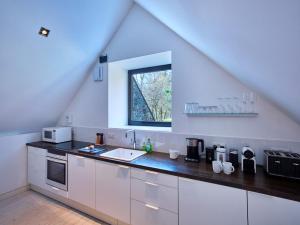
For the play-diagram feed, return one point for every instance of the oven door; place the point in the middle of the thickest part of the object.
(57, 174)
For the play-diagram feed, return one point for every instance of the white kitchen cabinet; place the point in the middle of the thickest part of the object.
(269, 210)
(113, 190)
(202, 203)
(154, 194)
(155, 177)
(154, 198)
(82, 180)
(146, 214)
(37, 166)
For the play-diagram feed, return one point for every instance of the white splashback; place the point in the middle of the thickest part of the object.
(163, 141)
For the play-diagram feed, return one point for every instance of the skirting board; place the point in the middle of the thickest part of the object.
(14, 192)
(77, 206)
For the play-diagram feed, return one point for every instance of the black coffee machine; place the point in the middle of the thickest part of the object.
(193, 149)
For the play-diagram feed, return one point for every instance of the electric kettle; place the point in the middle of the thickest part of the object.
(193, 145)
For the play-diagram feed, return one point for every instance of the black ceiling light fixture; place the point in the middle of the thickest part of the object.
(44, 32)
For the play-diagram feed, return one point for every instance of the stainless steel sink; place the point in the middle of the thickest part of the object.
(123, 154)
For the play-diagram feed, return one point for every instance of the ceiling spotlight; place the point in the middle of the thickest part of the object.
(44, 32)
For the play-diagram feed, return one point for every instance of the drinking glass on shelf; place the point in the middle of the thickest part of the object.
(252, 99)
(221, 107)
(228, 103)
(237, 105)
(196, 108)
(187, 108)
(245, 101)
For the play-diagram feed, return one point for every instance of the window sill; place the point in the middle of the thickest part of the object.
(145, 128)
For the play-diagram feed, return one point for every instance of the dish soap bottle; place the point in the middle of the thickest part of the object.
(149, 146)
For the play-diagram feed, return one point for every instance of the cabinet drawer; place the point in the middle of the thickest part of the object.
(155, 177)
(57, 191)
(155, 194)
(143, 214)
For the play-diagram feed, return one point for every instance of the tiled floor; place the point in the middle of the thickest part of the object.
(30, 208)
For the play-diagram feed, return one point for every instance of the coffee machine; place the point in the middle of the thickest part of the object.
(193, 149)
(248, 160)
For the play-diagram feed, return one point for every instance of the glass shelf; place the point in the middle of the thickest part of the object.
(223, 114)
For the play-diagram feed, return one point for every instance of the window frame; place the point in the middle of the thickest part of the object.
(144, 70)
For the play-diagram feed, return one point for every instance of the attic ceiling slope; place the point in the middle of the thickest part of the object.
(38, 75)
(257, 41)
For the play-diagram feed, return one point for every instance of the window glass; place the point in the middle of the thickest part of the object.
(150, 96)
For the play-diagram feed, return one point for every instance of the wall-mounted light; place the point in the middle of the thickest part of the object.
(44, 32)
(98, 74)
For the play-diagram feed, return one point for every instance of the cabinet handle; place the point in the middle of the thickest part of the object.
(277, 161)
(151, 207)
(151, 184)
(151, 172)
(295, 164)
(79, 157)
(123, 167)
(187, 180)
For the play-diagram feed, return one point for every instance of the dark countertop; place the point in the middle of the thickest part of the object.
(160, 162)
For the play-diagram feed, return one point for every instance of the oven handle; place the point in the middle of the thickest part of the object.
(56, 160)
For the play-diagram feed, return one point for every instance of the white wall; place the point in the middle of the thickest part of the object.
(117, 97)
(195, 78)
(13, 160)
(39, 76)
(257, 41)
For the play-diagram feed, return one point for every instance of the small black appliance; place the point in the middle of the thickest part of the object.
(282, 163)
(193, 149)
(248, 161)
(210, 154)
(234, 157)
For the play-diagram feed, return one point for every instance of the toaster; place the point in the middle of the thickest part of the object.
(282, 163)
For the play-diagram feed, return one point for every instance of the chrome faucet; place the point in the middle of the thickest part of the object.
(133, 140)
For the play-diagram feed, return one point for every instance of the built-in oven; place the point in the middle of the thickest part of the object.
(57, 169)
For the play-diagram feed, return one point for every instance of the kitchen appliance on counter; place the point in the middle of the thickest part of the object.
(99, 139)
(282, 163)
(193, 149)
(57, 169)
(234, 157)
(248, 161)
(57, 134)
(210, 154)
(221, 154)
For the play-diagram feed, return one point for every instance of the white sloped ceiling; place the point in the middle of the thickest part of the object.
(39, 76)
(257, 41)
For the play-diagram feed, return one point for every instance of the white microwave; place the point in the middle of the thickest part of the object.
(57, 134)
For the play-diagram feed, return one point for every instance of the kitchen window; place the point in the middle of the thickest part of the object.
(150, 96)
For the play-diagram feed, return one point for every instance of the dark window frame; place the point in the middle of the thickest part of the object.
(144, 70)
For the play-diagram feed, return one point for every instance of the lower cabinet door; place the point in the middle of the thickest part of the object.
(37, 166)
(82, 180)
(269, 210)
(202, 203)
(145, 214)
(113, 190)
